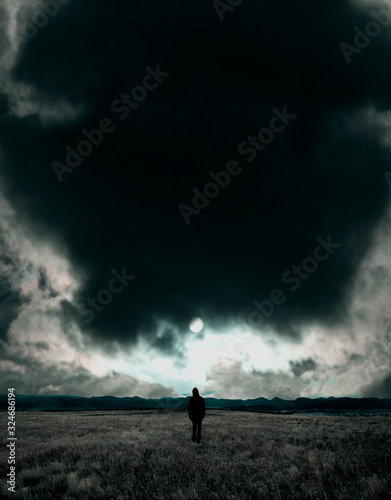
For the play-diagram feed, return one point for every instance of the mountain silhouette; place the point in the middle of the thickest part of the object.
(276, 405)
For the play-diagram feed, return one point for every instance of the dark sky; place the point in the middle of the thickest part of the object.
(214, 84)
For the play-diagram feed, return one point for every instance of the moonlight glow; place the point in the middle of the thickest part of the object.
(196, 325)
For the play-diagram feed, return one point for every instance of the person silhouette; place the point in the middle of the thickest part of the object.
(196, 410)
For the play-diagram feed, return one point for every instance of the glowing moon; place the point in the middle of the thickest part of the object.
(196, 325)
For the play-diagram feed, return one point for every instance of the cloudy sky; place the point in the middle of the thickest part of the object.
(161, 162)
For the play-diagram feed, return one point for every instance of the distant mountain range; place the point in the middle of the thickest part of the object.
(276, 405)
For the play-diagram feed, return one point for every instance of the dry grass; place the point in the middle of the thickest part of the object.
(149, 455)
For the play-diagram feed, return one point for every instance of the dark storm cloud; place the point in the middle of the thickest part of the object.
(10, 300)
(380, 388)
(323, 175)
(168, 342)
(10, 305)
(300, 367)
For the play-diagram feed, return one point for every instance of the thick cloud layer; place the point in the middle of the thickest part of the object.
(319, 177)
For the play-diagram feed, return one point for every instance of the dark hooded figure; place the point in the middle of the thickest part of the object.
(196, 411)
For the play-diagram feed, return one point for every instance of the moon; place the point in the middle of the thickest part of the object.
(196, 325)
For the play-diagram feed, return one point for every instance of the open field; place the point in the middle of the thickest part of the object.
(149, 455)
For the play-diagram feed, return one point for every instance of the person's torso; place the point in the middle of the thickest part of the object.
(197, 404)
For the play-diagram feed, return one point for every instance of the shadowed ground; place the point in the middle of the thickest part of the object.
(150, 455)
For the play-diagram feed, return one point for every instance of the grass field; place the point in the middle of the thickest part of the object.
(150, 455)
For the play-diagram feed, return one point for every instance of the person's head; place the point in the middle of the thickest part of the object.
(195, 392)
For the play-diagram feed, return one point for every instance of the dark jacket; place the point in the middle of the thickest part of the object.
(196, 408)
